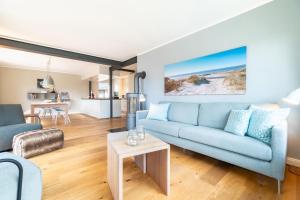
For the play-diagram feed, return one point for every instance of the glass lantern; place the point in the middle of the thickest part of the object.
(132, 138)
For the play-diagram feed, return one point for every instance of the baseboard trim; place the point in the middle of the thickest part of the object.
(293, 162)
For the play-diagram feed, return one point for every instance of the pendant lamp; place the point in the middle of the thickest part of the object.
(48, 82)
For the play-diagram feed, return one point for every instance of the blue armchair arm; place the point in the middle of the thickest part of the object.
(20, 168)
(35, 117)
(279, 150)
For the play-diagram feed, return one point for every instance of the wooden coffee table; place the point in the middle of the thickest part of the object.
(152, 156)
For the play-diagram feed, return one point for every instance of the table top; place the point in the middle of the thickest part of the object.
(149, 144)
(48, 103)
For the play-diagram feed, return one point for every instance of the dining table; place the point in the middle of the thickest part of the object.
(62, 105)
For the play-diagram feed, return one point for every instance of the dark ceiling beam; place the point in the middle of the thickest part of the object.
(126, 70)
(125, 63)
(24, 46)
(129, 62)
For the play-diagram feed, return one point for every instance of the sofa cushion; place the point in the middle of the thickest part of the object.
(11, 114)
(262, 121)
(238, 122)
(215, 115)
(183, 112)
(158, 111)
(166, 127)
(8, 132)
(218, 138)
(32, 179)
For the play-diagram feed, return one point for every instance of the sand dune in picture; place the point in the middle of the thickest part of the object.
(223, 82)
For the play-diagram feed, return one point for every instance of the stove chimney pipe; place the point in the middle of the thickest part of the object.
(137, 77)
(133, 100)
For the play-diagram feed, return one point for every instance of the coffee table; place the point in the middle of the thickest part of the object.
(152, 156)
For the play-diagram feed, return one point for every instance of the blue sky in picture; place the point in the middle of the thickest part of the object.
(221, 60)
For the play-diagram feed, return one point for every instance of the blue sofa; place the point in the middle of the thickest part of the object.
(19, 178)
(199, 128)
(12, 122)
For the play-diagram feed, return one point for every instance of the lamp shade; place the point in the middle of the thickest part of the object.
(48, 82)
(142, 98)
(293, 97)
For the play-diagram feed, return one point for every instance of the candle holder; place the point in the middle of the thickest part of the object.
(140, 132)
(132, 138)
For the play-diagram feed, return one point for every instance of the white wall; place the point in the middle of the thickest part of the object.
(15, 83)
(272, 36)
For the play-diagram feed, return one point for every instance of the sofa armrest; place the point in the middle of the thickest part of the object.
(35, 116)
(20, 179)
(279, 149)
(141, 114)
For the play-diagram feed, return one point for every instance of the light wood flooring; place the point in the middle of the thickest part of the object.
(78, 171)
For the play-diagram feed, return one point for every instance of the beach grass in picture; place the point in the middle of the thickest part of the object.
(219, 73)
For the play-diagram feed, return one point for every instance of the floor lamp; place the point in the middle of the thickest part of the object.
(293, 99)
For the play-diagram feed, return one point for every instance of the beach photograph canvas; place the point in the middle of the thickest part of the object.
(218, 73)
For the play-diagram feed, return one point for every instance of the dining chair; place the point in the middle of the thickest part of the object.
(57, 112)
(42, 112)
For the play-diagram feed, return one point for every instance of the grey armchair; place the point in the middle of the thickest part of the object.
(12, 122)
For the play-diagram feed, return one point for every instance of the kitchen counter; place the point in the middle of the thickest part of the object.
(100, 108)
(100, 99)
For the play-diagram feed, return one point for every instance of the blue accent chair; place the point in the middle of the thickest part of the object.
(12, 122)
(200, 128)
(20, 179)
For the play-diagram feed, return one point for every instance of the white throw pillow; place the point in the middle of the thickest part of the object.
(158, 111)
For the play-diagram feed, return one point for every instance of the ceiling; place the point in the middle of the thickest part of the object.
(114, 29)
(32, 61)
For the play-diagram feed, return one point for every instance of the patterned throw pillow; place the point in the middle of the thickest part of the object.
(238, 122)
(158, 111)
(262, 122)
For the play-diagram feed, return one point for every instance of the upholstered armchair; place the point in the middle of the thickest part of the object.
(20, 179)
(12, 122)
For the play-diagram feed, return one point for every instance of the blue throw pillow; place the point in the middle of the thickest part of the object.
(238, 122)
(262, 122)
(158, 111)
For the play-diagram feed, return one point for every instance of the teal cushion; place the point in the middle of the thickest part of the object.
(262, 122)
(183, 112)
(158, 111)
(238, 122)
(215, 115)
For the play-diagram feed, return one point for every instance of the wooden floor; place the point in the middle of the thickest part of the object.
(78, 171)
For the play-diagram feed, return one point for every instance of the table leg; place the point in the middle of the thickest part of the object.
(32, 119)
(158, 167)
(115, 173)
(66, 109)
(140, 161)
